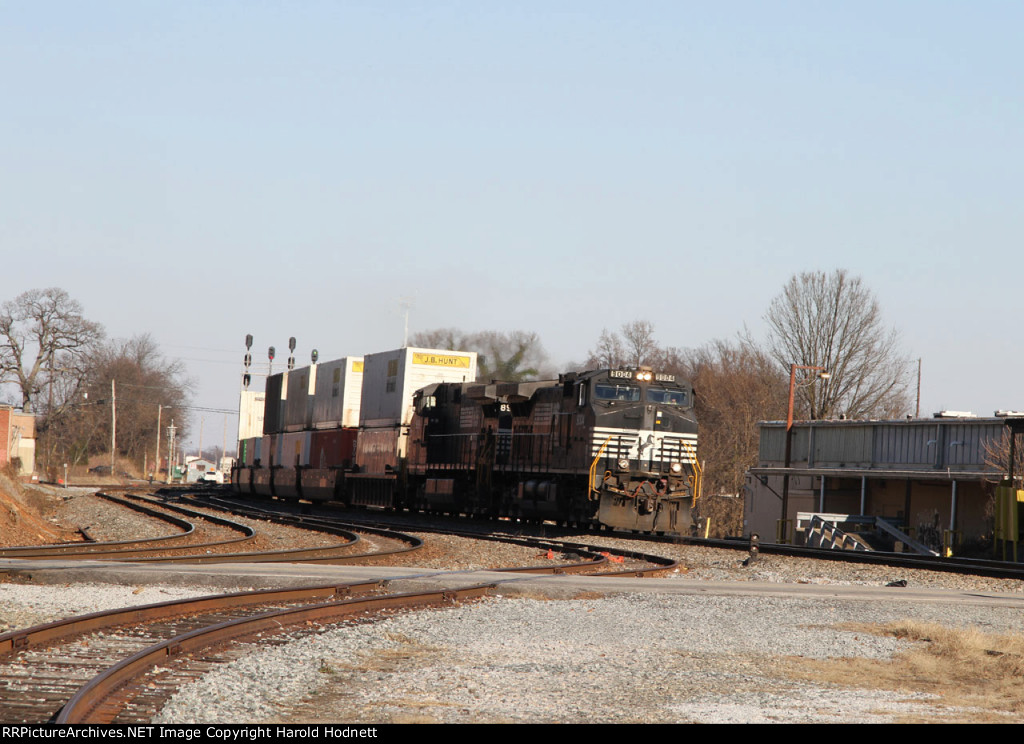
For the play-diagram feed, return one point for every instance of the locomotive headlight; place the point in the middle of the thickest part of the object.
(677, 467)
(623, 463)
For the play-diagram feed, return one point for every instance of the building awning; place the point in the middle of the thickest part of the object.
(877, 474)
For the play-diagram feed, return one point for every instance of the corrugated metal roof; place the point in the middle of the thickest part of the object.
(958, 445)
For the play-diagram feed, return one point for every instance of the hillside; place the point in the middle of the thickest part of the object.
(24, 516)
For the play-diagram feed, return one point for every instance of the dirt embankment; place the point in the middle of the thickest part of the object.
(24, 516)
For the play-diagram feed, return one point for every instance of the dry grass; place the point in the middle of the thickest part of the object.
(974, 676)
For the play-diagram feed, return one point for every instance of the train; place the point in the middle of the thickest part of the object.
(414, 429)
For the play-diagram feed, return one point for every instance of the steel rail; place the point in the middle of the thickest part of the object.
(304, 555)
(971, 566)
(103, 551)
(89, 704)
(595, 555)
(47, 633)
(67, 549)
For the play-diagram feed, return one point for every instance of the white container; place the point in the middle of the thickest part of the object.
(391, 377)
(250, 414)
(339, 385)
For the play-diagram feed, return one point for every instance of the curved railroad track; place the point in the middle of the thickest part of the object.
(611, 561)
(499, 528)
(192, 542)
(120, 666)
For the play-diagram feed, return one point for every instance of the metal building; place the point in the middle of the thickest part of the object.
(926, 475)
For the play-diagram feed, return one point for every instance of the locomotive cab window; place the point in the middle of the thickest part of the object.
(668, 397)
(616, 391)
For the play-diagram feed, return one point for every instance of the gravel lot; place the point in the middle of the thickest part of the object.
(633, 658)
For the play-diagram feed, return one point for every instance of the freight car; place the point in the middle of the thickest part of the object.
(614, 447)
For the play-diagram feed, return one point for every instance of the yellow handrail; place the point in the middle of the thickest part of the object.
(593, 468)
(697, 481)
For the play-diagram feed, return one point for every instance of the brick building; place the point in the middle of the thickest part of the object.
(17, 439)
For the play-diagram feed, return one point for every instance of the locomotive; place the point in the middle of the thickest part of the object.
(609, 447)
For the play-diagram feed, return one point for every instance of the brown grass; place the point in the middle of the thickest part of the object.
(975, 675)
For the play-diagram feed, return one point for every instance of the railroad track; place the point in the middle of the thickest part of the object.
(189, 522)
(121, 666)
(499, 530)
(610, 561)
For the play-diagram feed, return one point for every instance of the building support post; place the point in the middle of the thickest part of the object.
(952, 510)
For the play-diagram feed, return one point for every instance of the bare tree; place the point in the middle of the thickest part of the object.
(736, 385)
(35, 328)
(834, 321)
(144, 381)
(442, 338)
(510, 356)
(638, 338)
(633, 347)
(608, 353)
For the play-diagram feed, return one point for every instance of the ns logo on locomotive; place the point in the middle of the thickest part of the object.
(615, 447)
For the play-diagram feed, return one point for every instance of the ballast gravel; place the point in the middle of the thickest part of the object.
(624, 659)
(25, 605)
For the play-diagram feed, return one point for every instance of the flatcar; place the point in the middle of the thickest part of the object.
(610, 447)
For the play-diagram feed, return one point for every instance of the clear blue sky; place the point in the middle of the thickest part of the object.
(296, 168)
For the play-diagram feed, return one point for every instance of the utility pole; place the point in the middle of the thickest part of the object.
(156, 466)
(113, 425)
(170, 448)
(822, 375)
(917, 411)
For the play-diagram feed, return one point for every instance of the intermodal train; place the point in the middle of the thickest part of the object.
(609, 447)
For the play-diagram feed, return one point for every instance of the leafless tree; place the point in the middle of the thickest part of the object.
(638, 337)
(834, 321)
(609, 352)
(997, 456)
(634, 346)
(510, 356)
(736, 385)
(442, 338)
(144, 382)
(35, 328)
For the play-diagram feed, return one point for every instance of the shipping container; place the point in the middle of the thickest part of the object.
(332, 448)
(276, 395)
(298, 407)
(249, 451)
(390, 378)
(294, 449)
(269, 453)
(339, 386)
(251, 406)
